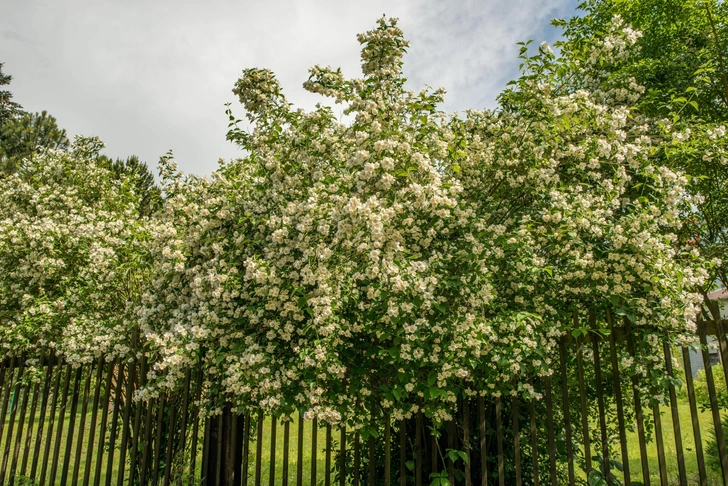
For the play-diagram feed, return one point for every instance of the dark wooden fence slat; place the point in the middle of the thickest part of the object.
(709, 380)
(259, 449)
(136, 427)
(584, 410)
(482, 430)
(218, 448)
(102, 427)
(600, 400)
(618, 399)
(371, 464)
(675, 419)
(59, 429)
(638, 410)
(195, 430)
(451, 445)
(550, 430)
(169, 443)
(157, 454)
(272, 457)
(286, 448)
(357, 459)
(11, 424)
(299, 457)
(71, 425)
(126, 426)
(499, 440)
(516, 441)
(5, 395)
(342, 455)
(433, 454)
(51, 422)
(206, 452)
(402, 452)
(246, 449)
(82, 426)
(327, 476)
(27, 430)
(702, 474)
(94, 415)
(314, 450)
(26, 391)
(418, 447)
(147, 442)
(466, 439)
(387, 451)
(114, 421)
(534, 437)
(567, 413)
(31, 423)
(659, 443)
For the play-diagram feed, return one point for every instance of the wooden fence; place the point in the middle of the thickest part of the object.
(78, 426)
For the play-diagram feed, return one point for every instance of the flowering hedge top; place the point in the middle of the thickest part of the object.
(72, 250)
(408, 257)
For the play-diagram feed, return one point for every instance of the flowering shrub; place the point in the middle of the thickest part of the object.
(408, 257)
(72, 253)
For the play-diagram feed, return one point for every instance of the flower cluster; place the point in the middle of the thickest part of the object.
(72, 253)
(406, 258)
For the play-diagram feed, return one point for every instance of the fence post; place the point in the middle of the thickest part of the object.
(219, 469)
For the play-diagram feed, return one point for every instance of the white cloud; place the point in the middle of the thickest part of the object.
(147, 76)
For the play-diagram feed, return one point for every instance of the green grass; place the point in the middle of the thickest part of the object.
(687, 434)
(96, 450)
(688, 442)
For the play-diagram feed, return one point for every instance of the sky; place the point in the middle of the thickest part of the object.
(147, 76)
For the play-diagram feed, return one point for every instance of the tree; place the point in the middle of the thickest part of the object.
(74, 254)
(680, 59)
(409, 258)
(8, 108)
(144, 184)
(26, 137)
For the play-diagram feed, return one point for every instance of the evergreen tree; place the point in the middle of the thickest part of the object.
(8, 108)
(144, 184)
(24, 137)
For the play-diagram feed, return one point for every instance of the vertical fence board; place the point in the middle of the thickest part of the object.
(286, 448)
(694, 416)
(660, 445)
(136, 427)
(482, 430)
(418, 447)
(618, 399)
(299, 457)
(600, 403)
(675, 419)
(94, 415)
(357, 459)
(169, 443)
(402, 452)
(499, 440)
(51, 422)
(19, 437)
(41, 419)
(314, 449)
(342, 456)
(31, 422)
(82, 426)
(387, 450)
(259, 448)
(586, 439)
(71, 424)
(534, 437)
(638, 410)
(272, 459)
(114, 421)
(61, 420)
(466, 439)
(718, 427)
(516, 441)
(567, 413)
(11, 424)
